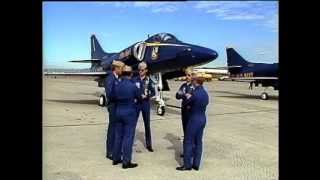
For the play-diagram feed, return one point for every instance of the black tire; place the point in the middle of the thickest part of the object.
(264, 96)
(161, 110)
(102, 101)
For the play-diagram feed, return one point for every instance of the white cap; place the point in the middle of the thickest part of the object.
(117, 63)
(142, 65)
(188, 70)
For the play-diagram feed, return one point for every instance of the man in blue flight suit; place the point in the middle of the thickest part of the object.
(110, 82)
(192, 144)
(125, 95)
(185, 88)
(146, 87)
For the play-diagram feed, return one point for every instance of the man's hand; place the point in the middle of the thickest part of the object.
(188, 95)
(180, 92)
(144, 96)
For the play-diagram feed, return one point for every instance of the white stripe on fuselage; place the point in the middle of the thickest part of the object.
(164, 44)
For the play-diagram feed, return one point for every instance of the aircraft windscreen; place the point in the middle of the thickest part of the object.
(163, 37)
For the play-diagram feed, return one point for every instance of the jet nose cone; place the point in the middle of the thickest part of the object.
(212, 54)
(206, 54)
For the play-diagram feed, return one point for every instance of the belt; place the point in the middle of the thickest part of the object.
(125, 102)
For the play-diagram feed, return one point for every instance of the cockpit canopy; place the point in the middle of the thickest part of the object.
(163, 37)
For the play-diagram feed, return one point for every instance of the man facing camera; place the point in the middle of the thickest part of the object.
(146, 88)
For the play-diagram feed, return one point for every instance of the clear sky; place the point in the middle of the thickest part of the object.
(250, 27)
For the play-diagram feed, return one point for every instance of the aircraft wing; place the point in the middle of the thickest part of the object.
(92, 74)
(223, 68)
(248, 79)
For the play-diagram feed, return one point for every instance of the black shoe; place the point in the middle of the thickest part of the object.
(116, 162)
(195, 168)
(150, 149)
(129, 165)
(182, 168)
(109, 157)
(181, 155)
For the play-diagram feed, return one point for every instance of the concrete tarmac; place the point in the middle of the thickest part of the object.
(240, 139)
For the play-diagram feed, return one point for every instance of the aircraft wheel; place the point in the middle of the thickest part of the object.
(264, 96)
(160, 110)
(102, 100)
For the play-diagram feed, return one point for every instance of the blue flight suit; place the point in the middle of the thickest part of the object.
(145, 87)
(110, 82)
(192, 144)
(184, 88)
(125, 96)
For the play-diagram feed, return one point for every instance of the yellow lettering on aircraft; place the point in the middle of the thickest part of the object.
(244, 75)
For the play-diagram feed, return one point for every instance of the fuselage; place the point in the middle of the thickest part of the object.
(163, 53)
(256, 70)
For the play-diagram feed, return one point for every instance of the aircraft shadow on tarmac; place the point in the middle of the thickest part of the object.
(175, 145)
(78, 101)
(243, 96)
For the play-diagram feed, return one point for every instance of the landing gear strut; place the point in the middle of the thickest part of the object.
(159, 96)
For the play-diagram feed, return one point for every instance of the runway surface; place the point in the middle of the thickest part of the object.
(240, 139)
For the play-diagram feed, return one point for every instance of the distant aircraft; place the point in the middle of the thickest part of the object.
(208, 70)
(207, 77)
(165, 55)
(254, 73)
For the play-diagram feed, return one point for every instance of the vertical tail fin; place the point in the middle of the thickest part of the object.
(234, 58)
(96, 50)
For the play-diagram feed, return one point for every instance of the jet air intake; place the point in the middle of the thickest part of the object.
(139, 50)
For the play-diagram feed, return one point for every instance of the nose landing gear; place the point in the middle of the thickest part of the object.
(159, 96)
(160, 110)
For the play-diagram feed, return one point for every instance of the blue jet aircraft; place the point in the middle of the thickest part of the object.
(255, 73)
(165, 55)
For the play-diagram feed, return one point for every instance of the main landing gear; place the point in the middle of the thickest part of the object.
(264, 95)
(102, 100)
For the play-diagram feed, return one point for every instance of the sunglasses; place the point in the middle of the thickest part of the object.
(189, 75)
(141, 70)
